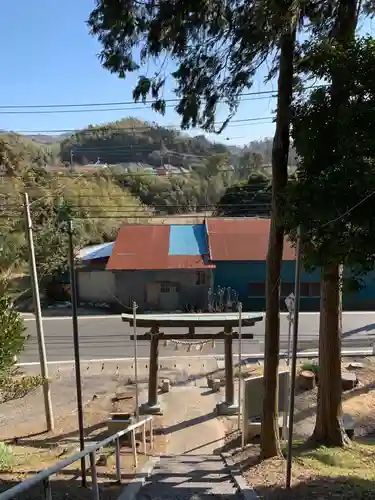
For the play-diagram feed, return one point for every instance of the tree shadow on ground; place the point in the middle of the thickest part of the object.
(186, 423)
(61, 439)
(309, 412)
(344, 488)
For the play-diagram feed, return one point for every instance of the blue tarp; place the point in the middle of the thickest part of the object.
(97, 251)
(188, 240)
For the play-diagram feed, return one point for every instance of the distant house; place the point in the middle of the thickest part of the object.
(238, 248)
(95, 284)
(169, 267)
(162, 267)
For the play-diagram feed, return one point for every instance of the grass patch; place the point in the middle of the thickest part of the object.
(356, 461)
(317, 473)
(6, 458)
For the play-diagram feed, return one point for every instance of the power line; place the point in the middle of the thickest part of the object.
(265, 93)
(130, 103)
(136, 128)
(96, 110)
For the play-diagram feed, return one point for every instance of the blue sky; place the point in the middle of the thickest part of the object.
(48, 57)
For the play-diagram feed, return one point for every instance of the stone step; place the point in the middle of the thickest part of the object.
(180, 477)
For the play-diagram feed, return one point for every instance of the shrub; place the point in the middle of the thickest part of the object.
(310, 366)
(6, 458)
(12, 339)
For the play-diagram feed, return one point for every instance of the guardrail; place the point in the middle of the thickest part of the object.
(44, 476)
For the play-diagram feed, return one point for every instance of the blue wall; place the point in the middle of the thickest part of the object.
(365, 298)
(238, 275)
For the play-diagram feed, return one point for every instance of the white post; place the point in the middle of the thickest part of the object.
(239, 364)
(287, 379)
(136, 361)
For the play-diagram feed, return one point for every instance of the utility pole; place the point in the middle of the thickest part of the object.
(71, 160)
(294, 358)
(290, 303)
(341, 272)
(240, 412)
(38, 317)
(77, 361)
(136, 361)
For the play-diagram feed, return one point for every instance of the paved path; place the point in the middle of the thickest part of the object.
(105, 337)
(190, 421)
(189, 477)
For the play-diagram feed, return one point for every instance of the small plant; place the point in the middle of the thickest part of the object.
(310, 366)
(6, 458)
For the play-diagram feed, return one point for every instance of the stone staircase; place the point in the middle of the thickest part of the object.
(189, 477)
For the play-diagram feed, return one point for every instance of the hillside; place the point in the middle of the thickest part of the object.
(132, 141)
(15, 148)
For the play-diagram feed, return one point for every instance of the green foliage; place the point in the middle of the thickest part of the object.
(12, 342)
(12, 339)
(191, 192)
(6, 458)
(97, 206)
(310, 366)
(16, 152)
(332, 195)
(216, 47)
(246, 198)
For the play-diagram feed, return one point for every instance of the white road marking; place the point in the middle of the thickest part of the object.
(303, 354)
(115, 316)
(63, 318)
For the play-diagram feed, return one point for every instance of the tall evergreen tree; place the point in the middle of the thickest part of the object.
(217, 47)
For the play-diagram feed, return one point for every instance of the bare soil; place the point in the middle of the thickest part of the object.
(320, 472)
(38, 450)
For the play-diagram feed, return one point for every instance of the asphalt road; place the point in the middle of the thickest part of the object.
(107, 337)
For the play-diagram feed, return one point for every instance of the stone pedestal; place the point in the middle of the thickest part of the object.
(224, 408)
(150, 409)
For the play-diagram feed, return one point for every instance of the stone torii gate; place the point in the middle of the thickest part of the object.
(225, 321)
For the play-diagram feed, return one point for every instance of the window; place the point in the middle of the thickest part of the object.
(166, 287)
(257, 289)
(314, 290)
(201, 278)
(306, 289)
(286, 289)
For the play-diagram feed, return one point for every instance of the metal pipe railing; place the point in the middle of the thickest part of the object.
(44, 476)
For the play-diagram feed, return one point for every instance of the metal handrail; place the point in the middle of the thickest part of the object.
(44, 475)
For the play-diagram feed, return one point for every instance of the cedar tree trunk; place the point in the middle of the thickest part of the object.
(329, 429)
(270, 443)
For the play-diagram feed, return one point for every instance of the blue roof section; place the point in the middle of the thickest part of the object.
(188, 240)
(97, 251)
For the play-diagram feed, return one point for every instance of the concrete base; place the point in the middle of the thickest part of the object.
(225, 408)
(116, 425)
(254, 427)
(147, 409)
